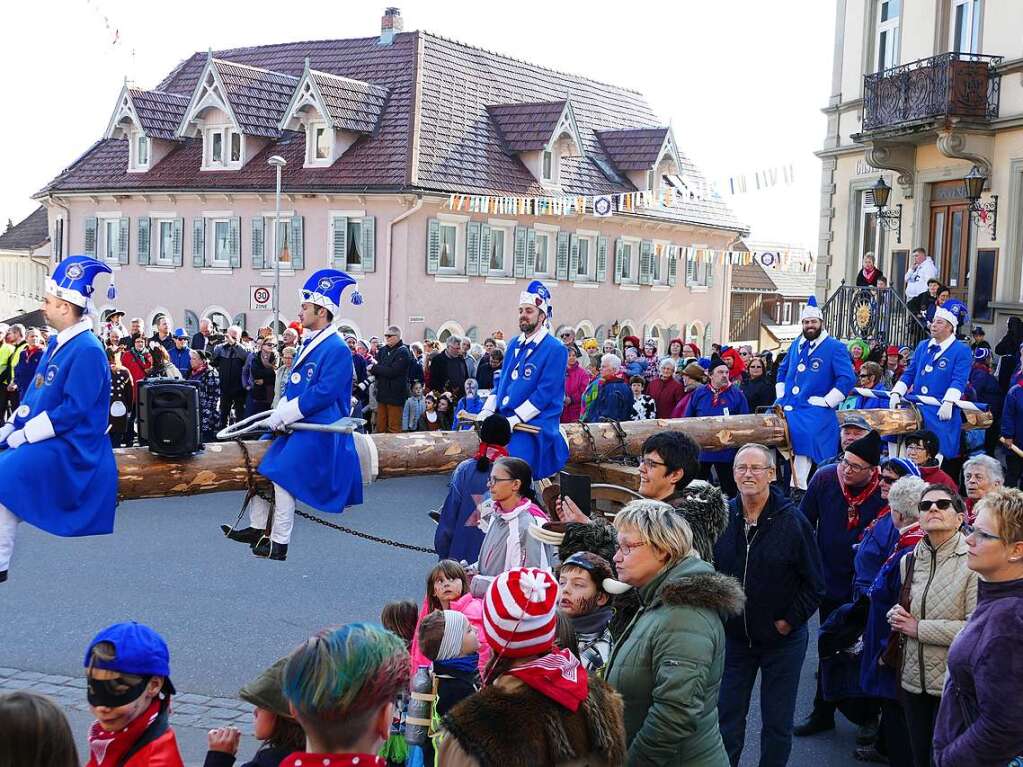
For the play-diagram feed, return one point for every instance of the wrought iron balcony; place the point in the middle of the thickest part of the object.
(963, 85)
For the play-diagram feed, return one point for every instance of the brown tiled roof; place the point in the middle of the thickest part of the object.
(352, 105)
(751, 277)
(633, 149)
(27, 234)
(526, 127)
(258, 97)
(159, 113)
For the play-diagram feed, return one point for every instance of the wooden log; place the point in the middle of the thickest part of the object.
(222, 465)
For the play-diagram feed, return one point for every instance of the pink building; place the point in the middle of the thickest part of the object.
(378, 133)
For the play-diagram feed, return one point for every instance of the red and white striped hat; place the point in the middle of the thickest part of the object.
(520, 612)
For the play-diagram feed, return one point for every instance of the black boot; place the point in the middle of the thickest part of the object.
(249, 535)
(3, 576)
(816, 723)
(267, 549)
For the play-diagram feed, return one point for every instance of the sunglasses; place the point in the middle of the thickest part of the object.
(977, 532)
(885, 480)
(943, 504)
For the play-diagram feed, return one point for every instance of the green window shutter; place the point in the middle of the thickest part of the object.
(198, 242)
(472, 247)
(369, 244)
(601, 259)
(562, 256)
(257, 245)
(239, 320)
(179, 226)
(485, 236)
(530, 252)
(690, 257)
(339, 239)
(573, 257)
(235, 242)
(646, 251)
(619, 259)
(432, 246)
(191, 322)
(673, 265)
(297, 242)
(122, 240)
(145, 227)
(90, 236)
(710, 273)
(520, 251)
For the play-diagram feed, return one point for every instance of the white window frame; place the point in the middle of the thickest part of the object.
(590, 275)
(867, 208)
(102, 243)
(659, 263)
(227, 133)
(458, 222)
(701, 270)
(156, 227)
(801, 305)
(550, 233)
(311, 160)
(136, 140)
(971, 16)
(270, 240)
(211, 224)
(353, 216)
(786, 313)
(504, 230)
(891, 30)
(634, 244)
(544, 175)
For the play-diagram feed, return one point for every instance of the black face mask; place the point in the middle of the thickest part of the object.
(112, 693)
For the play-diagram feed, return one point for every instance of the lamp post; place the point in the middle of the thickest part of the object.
(983, 213)
(277, 162)
(889, 219)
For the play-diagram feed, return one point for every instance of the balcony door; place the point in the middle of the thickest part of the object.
(964, 29)
(889, 13)
(950, 237)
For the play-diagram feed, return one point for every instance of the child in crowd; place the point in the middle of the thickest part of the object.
(633, 365)
(496, 360)
(341, 684)
(444, 408)
(415, 406)
(129, 691)
(447, 588)
(448, 639)
(273, 724)
(35, 732)
(643, 406)
(429, 420)
(585, 603)
(401, 619)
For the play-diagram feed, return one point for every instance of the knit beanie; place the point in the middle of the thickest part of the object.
(495, 430)
(868, 448)
(455, 624)
(519, 612)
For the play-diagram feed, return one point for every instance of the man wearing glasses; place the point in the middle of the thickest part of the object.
(841, 501)
(853, 428)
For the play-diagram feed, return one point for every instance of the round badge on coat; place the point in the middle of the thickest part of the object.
(514, 374)
(296, 378)
(928, 369)
(816, 365)
(23, 411)
(942, 364)
(51, 374)
(801, 367)
(528, 371)
(117, 409)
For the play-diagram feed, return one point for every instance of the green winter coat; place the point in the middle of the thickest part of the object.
(667, 666)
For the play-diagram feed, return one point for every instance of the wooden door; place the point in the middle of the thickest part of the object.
(950, 237)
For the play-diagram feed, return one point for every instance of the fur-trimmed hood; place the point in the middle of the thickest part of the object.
(713, 591)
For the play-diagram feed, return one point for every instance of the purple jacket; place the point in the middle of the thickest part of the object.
(980, 721)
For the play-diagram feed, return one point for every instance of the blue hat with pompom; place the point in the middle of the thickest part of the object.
(72, 279)
(324, 289)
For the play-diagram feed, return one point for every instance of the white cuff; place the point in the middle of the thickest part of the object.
(288, 409)
(834, 398)
(900, 388)
(513, 420)
(952, 395)
(779, 389)
(489, 407)
(526, 411)
(39, 428)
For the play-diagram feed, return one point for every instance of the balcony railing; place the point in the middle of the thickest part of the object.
(963, 85)
(872, 315)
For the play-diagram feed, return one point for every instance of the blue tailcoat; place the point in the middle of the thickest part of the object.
(318, 468)
(535, 377)
(702, 404)
(933, 377)
(75, 486)
(813, 430)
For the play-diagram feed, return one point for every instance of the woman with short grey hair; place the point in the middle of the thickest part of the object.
(981, 474)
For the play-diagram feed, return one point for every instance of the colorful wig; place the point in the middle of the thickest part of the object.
(346, 671)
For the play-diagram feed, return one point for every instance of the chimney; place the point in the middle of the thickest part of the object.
(390, 25)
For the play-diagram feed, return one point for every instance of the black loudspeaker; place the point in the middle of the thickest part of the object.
(169, 417)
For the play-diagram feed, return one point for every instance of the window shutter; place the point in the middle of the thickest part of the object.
(646, 249)
(179, 226)
(198, 242)
(520, 251)
(122, 240)
(257, 245)
(619, 260)
(297, 242)
(239, 320)
(432, 246)
(191, 322)
(531, 252)
(90, 236)
(690, 257)
(235, 242)
(485, 235)
(710, 272)
(673, 265)
(573, 257)
(339, 256)
(562, 256)
(472, 248)
(601, 259)
(145, 227)
(369, 244)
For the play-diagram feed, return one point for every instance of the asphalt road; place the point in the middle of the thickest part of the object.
(227, 615)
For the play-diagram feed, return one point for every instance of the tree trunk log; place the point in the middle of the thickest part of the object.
(222, 465)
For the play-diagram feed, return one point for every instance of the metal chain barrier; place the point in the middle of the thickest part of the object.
(366, 536)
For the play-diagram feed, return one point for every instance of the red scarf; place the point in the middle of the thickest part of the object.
(715, 396)
(908, 539)
(854, 501)
(492, 452)
(868, 275)
(558, 675)
(107, 748)
(333, 760)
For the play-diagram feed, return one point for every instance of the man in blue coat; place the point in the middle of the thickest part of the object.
(718, 397)
(813, 380)
(531, 388)
(939, 370)
(315, 467)
(60, 427)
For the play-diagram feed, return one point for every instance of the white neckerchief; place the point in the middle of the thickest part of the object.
(813, 344)
(943, 346)
(534, 339)
(312, 343)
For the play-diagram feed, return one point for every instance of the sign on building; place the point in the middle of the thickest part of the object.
(261, 298)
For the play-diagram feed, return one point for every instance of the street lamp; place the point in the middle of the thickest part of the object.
(890, 219)
(983, 213)
(277, 162)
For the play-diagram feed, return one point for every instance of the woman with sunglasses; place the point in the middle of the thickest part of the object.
(980, 720)
(758, 387)
(943, 594)
(869, 376)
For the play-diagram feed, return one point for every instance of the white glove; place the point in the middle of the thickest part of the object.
(17, 439)
(274, 421)
(945, 411)
(6, 430)
(818, 402)
(512, 420)
(894, 400)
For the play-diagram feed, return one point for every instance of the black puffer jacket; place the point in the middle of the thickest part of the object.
(391, 372)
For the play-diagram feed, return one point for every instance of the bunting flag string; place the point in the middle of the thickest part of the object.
(601, 205)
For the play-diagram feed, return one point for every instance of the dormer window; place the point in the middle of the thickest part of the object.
(142, 152)
(319, 145)
(138, 150)
(222, 148)
(218, 147)
(548, 165)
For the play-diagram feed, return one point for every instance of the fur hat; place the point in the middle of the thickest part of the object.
(520, 612)
(596, 539)
(494, 430)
